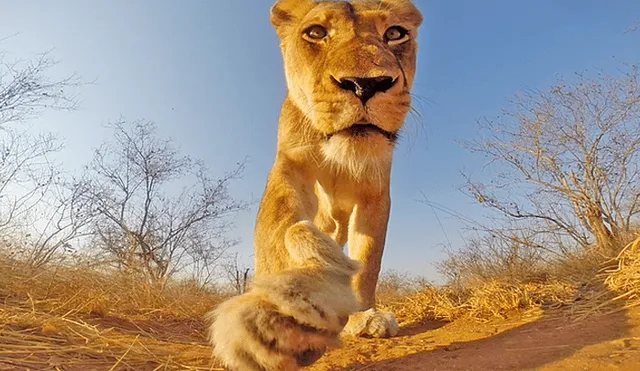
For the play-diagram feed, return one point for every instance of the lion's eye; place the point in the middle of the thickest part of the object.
(396, 35)
(316, 32)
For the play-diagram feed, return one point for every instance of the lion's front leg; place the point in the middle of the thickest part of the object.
(367, 235)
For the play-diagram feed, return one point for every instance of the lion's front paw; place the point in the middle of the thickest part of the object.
(373, 323)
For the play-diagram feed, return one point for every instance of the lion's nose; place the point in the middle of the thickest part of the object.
(366, 87)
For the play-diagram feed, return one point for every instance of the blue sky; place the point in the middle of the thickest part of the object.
(209, 73)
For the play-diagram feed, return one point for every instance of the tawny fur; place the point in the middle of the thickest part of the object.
(327, 186)
(288, 319)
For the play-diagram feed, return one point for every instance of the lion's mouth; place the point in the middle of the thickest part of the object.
(363, 130)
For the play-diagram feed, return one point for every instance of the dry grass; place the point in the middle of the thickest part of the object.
(573, 283)
(494, 299)
(624, 278)
(71, 318)
(74, 318)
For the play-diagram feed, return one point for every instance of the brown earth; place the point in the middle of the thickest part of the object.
(533, 341)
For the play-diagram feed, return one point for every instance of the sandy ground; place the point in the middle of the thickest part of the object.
(535, 341)
(532, 342)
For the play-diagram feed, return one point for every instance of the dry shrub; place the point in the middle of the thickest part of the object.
(394, 286)
(488, 279)
(73, 317)
(499, 299)
(485, 286)
(483, 259)
(430, 303)
(624, 278)
(580, 267)
(493, 299)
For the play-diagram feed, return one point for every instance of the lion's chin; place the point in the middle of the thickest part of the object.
(364, 156)
(366, 130)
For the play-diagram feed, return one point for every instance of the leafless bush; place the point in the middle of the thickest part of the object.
(38, 214)
(394, 285)
(26, 174)
(144, 222)
(26, 88)
(487, 257)
(565, 163)
(562, 183)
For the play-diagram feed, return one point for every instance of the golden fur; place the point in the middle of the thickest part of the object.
(329, 184)
(288, 319)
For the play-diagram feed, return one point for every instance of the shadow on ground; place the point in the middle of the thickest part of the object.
(544, 341)
(419, 329)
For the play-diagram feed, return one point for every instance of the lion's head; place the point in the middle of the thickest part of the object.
(349, 68)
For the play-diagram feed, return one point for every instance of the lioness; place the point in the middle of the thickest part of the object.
(349, 68)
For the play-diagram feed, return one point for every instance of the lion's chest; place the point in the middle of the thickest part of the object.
(336, 200)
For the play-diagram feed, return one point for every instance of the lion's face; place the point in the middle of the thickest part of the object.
(349, 68)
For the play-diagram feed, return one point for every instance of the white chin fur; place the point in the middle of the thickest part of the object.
(361, 157)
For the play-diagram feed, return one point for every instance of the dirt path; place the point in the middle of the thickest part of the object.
(534, 342)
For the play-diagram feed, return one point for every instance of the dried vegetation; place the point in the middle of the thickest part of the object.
(71, 318)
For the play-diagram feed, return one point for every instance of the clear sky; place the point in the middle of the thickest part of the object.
(209, 73)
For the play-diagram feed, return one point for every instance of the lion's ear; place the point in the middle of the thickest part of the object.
(406, 10)
(284, 12)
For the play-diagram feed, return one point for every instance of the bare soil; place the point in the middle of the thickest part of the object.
(531, 342)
